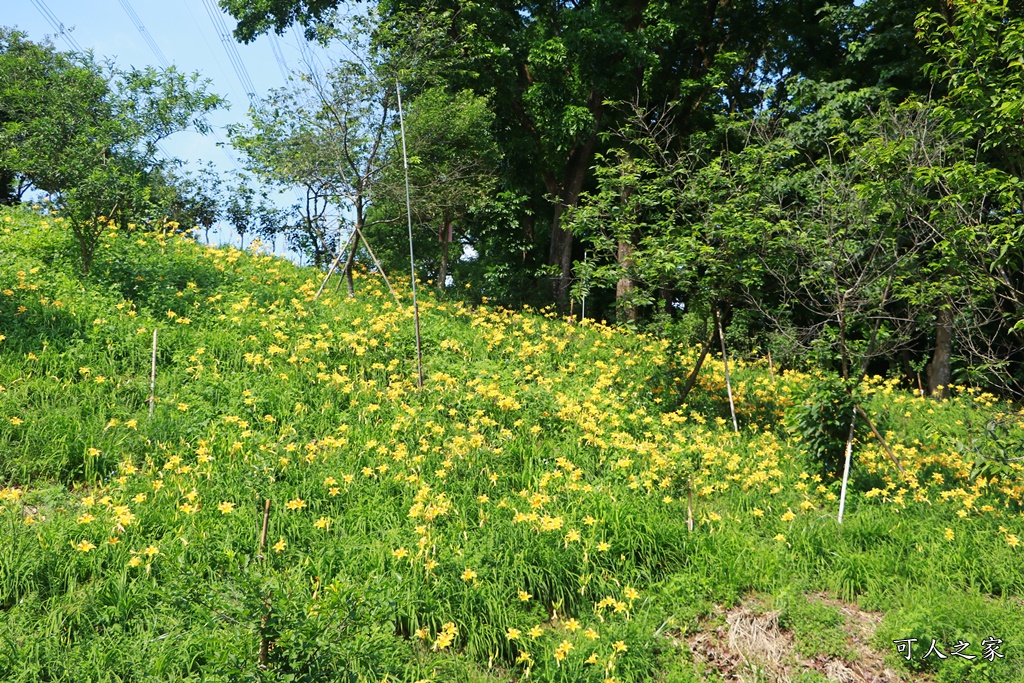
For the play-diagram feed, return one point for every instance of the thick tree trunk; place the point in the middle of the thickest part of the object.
(8, 188)
(561, 256)
(666, 295)
(939, 372)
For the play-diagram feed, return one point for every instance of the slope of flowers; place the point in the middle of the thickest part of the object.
(296, 506)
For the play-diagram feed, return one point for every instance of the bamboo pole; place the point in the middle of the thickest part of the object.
(689, 508)
(263, 534)
(412, 261)
(583, 312)
(152, 379)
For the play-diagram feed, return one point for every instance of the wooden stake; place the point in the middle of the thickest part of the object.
(263, 535)
(728, 382)
(846, 467)
(152, 380)
(412, 261)
(771, 370)
(264, 639)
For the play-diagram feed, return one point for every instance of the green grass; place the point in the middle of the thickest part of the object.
(817, 628)
(541, 459)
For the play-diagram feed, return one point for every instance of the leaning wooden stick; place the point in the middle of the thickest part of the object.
(263, 534)
(152, 379)
(265, 642)
(330, 271)
(379, 267)
(334, 266)
(881, 439)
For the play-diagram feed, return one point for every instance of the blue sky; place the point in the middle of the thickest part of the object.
(182, 30)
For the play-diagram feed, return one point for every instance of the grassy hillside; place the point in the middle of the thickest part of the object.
(524, 513)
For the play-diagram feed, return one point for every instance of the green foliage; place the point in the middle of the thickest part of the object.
(821, 417)
(841, 180)
(452, 158)
(86, 134)
(817, 628)
(327, 134)
(977, 54)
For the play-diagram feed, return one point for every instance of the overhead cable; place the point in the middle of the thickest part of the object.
(217, 19)
(153, 47)
(57, 25)
(275, 45)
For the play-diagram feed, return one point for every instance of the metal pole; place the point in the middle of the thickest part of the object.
(728, 382)
(412, 261)
(152, 379)
(846, 467)
(583, 311)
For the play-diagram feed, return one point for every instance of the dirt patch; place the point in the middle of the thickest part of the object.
(746, 644)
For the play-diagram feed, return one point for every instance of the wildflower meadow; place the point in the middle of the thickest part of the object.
(544, 508)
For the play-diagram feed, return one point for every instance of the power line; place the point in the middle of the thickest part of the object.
(224, 148)
(308, 56)
(154, 48)
(57, 25)
(217, 19)
(275, 46)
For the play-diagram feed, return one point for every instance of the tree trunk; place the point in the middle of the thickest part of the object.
(625, 286)
(360, 219)
(444, 237)
(691, 380)
(442, 277)
(939, 372)
(561, 256)
(666, 296)
(567, 193)
(627, 310)
(347, 271)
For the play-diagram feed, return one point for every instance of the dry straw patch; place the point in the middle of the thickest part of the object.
(748, 645)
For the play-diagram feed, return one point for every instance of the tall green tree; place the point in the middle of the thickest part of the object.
(550, 67)
(330, 131)
(86, 134)
(452, 175)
